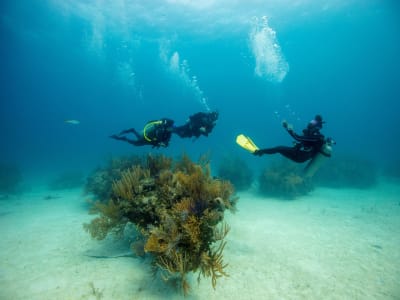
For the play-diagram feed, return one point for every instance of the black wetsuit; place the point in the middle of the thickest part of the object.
(307, 146)
(198, 124)
(156, 133)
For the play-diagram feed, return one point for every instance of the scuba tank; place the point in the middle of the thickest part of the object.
(316, 162)
(149, 131)
(158, 133)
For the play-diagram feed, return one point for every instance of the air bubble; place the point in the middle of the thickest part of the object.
(269, 59)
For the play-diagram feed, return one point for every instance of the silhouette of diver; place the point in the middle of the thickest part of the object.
(156, 133)
(306, 147)
(200, 123)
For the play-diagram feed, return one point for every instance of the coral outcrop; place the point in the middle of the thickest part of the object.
(236, 171)
(99, 182)
(346, 171)
(178, 208)
(284, 180)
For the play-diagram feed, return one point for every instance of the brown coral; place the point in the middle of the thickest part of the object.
(155, 244)
(177, 208)
(212, 264)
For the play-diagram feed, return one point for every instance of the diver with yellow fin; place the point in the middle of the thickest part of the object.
(156, 133)
(311, 145)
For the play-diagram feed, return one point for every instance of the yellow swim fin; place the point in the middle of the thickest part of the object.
(246, 143)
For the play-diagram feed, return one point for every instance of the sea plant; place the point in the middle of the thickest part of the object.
(237, 171)
(178, 208)
(99, 182)
(347, 171)
(284, 179)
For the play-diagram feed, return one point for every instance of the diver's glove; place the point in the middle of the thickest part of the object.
(287, 126)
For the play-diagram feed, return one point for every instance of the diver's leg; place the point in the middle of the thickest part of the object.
(138, 142)
(130, 130)
(269, 150)
(279, 149)
(119, 138)
(126, 131)
(137, 134)
(293, 153)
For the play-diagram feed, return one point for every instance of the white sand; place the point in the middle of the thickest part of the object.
(329, 245)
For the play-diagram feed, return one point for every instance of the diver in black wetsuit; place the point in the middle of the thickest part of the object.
(155, 133)
(306, 146)
(198, 124)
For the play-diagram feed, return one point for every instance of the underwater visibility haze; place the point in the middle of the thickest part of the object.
(74, 72)
(115, 65)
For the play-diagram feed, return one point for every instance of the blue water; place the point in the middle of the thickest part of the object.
(108, 65)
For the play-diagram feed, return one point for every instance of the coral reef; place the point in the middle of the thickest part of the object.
(236, 171)
(99, 182)
(347, 171)
(10, 178)
(178, 208)
(284, 180)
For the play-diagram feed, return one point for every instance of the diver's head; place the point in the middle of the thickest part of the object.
(316, 123)
(167, 122)
(214, 115)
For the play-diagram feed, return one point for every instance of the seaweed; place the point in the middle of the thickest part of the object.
(99, 182)
(108, 220)
(347, 171)
(178, 208)
(236, 171)
(284, 180)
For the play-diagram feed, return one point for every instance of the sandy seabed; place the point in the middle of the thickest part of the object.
(331, 244)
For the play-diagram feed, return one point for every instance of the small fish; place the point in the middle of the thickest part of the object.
(51, 197)
(376, 246)
(73, 122)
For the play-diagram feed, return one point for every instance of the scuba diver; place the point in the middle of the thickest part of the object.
(198, 124)
(306, 145)
(156, 133)
(311, 145)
